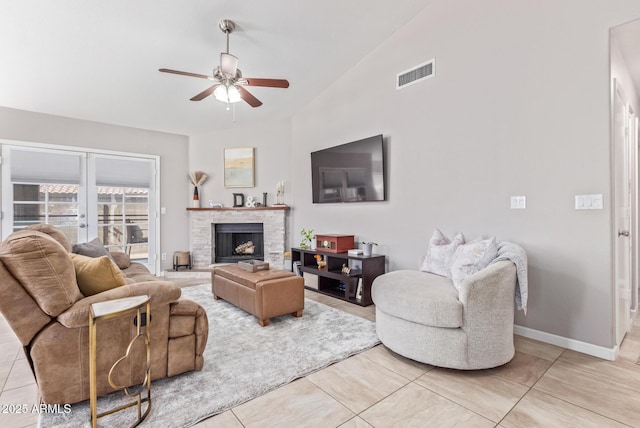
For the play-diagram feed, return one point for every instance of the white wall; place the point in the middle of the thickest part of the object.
(272, 142)
(172, 149)
(519, 106)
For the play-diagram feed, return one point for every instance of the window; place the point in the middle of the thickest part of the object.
(55, 204)
(123, 220)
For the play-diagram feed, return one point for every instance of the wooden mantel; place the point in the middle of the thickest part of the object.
(273, 207)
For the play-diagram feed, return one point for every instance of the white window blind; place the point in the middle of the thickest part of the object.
(29, 166)
(124, 172)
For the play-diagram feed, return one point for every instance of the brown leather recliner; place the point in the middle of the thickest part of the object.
(40, 299)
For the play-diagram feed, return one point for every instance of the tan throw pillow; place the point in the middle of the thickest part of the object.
(95, 275)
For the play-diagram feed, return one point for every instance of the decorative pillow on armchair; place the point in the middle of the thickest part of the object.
(93, 248)
(95, 275)
(440, 253)
(122, 260)
(471, 258)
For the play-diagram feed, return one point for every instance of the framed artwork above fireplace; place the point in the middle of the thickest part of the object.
(239, 166)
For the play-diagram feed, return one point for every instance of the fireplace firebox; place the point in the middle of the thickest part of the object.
(234, 242)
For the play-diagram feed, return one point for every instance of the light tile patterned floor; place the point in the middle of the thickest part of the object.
(543, 386)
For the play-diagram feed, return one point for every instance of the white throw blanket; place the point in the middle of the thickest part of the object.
(516, 254)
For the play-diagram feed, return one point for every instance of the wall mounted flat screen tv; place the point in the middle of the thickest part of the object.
(352, 172)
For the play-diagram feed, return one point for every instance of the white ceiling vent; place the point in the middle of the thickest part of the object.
(416, 74)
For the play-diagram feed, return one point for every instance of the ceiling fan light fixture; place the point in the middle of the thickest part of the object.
(227, 94)
(221, 93)
(228, 64)
(229, 81)
(234, 94)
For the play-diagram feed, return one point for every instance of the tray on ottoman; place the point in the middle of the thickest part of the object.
(253, 265)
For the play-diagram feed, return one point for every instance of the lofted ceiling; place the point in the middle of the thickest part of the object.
(99, 60)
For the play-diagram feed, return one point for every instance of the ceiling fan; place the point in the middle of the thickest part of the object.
(228, 77)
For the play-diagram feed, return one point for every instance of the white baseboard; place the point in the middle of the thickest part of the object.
(575, 345)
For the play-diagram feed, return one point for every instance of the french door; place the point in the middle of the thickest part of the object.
(85, 195)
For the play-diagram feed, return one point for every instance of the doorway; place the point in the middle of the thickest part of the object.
(86, 195)
(624, 57)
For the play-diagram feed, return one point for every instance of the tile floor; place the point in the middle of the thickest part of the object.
(543, 386)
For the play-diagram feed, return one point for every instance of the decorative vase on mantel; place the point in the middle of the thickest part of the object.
(196, 198)
(197, 178)
(280, 193)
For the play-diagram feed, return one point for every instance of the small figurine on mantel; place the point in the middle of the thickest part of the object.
(280, 193)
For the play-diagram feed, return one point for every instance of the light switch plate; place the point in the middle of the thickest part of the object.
(518, 202)
(589, 202)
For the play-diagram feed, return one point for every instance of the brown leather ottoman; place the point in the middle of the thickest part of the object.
(265, 294)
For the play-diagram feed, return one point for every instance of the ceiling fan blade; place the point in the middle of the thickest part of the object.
(270, 83)
(204, 94)
(228, 64)
(185, 73)
(250, 99)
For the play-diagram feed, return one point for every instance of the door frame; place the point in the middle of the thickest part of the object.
(618, 317)
(635, 222)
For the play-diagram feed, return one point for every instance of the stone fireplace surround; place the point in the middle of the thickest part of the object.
(272, 218)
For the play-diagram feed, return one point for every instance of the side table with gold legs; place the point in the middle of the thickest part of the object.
(111, 309)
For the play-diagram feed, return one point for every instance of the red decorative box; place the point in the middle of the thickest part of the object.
(334, 243)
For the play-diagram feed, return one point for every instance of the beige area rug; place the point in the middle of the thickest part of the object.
(187, 282)
(242, 362)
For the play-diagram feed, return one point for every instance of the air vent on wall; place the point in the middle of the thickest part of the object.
(416, 74)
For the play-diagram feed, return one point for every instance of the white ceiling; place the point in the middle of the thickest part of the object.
(99, 60)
